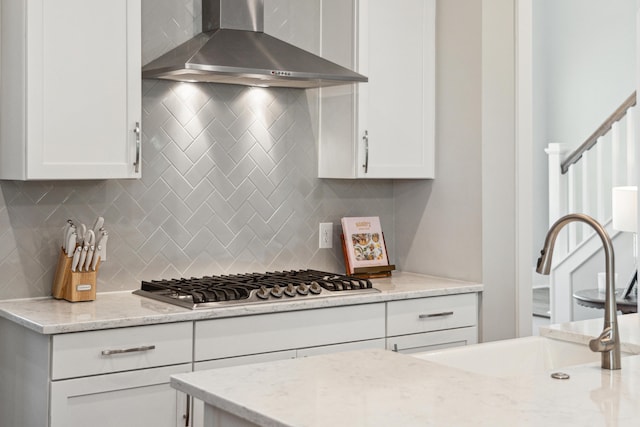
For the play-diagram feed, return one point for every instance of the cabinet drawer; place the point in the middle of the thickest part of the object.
(113, 350)
(430, 341)
(238, 336)
(431, 314)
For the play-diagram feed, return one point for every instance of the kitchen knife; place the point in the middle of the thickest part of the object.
(83, 256)
(102, 247)
(82, 230)
(71, 244)
(98, 225)
(87, 263)
(90, 238)
(96, 257)
(65, 239)
(69, 229)
(76, 258)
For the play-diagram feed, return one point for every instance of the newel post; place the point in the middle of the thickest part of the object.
(558, 192)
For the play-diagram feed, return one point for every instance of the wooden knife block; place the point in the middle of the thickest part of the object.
(73, 286)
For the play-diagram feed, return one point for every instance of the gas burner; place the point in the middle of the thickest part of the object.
(217, 291)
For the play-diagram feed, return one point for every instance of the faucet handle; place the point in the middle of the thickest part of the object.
(604, 342)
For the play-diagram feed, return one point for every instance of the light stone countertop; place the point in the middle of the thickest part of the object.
(381, 388)
(123, 309)
(584, 330)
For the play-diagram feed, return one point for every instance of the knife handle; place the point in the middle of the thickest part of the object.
(76, 258)
(98, 225)
(71, 244)
(83, 256)
(96, 258)
(102, 247)
(88, 261)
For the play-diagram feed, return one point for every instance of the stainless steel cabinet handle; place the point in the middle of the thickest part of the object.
(442, 314)
(187, 415)
(365, 138)
(128, 350)
(137, 131)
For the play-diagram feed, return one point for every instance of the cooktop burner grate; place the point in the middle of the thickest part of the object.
(252, 288)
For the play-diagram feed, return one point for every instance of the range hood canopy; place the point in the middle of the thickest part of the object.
(234, 49)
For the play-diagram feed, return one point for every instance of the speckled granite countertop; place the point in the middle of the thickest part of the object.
(382, 388)
(123, 309)
(584, 330)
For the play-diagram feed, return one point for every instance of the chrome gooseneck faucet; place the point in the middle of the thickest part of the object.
(608, 343)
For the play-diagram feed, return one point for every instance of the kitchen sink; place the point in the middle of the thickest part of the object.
(514, 357)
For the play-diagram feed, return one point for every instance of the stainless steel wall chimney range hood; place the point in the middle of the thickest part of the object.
(234, 49)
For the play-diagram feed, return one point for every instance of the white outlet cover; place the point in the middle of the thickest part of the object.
(325, 235)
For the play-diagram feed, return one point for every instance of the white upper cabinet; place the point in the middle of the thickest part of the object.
(70, 99)
(384, 128)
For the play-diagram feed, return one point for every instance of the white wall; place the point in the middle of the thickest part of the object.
(584, 68)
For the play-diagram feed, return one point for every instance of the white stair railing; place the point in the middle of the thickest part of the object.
(581, 181)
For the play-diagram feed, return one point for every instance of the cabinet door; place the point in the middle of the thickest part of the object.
(136, 398)
(83, 88)
(396, 108)
(384, 128)
(429, 341)
(338, 104)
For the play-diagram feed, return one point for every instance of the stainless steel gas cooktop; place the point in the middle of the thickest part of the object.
(219, 291)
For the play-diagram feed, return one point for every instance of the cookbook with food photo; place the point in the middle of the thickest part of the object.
(364, 242)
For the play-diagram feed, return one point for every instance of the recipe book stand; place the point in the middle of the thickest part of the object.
(375, 272)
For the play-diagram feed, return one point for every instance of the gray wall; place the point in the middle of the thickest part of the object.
(439, 222)
(463, 224)
(229, 180)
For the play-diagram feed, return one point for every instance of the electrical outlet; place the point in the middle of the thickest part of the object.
(325, 235)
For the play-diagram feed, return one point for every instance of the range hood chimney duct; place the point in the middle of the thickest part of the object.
(233, 49)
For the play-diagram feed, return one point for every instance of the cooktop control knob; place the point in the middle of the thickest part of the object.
(277, 291)
(263, 292)
(290, 290)
(315, 288)
(303, 289)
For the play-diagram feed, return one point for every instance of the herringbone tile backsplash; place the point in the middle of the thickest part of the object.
(229, 183)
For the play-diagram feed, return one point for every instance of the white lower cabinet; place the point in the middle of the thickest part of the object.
(424, 324)
(111, 377)
(120, 377)
(246, 335)
(138, 398)
(262, 338)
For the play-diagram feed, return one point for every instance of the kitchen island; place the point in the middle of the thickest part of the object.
(380, 388)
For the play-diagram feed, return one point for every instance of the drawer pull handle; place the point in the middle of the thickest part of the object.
(427, 316)
(128, 350)
(138, 133)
